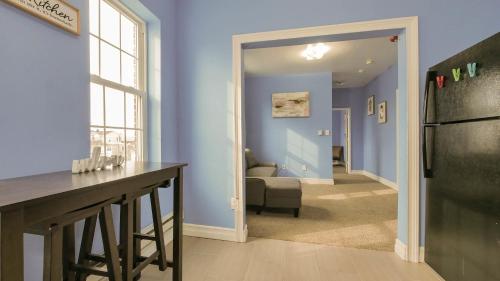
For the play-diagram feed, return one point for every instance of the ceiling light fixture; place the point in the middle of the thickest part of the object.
(361, 70)
(369, 61)
(315, 51)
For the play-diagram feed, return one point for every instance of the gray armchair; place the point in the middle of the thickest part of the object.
(256, 169)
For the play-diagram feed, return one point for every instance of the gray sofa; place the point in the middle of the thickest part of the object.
(264, 189)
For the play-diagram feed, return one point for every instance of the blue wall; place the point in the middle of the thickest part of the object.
(353, 98)
(44, 108)
(380, 145)
(374, 145)
(204, 47)
(336, 127)
(290, 141)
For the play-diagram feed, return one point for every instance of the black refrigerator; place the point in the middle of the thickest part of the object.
(461, 159)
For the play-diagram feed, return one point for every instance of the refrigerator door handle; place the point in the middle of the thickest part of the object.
(427, 149)
(429, 94)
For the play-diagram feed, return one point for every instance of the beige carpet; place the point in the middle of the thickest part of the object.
(356, 212)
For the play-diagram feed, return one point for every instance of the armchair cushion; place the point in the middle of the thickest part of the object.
(262, 171)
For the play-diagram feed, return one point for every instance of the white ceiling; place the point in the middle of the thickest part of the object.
(344, 60)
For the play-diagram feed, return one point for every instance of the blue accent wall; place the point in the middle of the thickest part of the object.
(44, 108)
(290, 141)
(337, 127)
(204, 45)
(380, 145)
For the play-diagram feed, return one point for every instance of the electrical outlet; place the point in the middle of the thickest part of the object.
(304, 168)
(283, 166)
(320, 132)
(327, 132)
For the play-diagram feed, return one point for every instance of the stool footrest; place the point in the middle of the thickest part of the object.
(144, 236)
(145, 261)
(97, 258)
(89, 270)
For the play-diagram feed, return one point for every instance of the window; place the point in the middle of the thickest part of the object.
(117, 90)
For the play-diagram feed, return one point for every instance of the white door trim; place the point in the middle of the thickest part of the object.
(349, 147)
(410, 26)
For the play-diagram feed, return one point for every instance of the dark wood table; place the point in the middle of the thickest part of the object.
(29, 200)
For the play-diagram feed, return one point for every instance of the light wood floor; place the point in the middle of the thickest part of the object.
(275, 260)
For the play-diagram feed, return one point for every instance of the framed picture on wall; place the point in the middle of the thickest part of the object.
(382, 112)
(371, 105)
(290, 104)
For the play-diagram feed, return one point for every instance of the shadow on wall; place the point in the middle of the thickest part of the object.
(300, 152)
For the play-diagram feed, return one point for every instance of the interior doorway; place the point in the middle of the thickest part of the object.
(408, 247)
(341, 140)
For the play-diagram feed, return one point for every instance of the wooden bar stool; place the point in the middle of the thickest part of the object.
(59, 245)
(130, 233)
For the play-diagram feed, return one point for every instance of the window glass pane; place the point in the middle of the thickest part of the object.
(94, 17)
(129, 36)
(115, 108)
(133, 145)
(129, 70)
(115, 142)
(97, 139)
(94, 55)
(110, 27)
(133, 111)
(96, 105)
(110, 62)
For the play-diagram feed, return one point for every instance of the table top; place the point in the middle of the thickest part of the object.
(22, 190)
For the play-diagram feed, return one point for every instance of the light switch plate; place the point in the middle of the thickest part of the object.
(234, 203)
(320, 132)
(327, 132)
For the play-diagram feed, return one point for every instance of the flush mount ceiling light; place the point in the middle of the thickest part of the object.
(315, 51)
(369, 61)
(361, 70)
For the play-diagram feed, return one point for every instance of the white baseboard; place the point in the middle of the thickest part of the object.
(374, 177)
(316, 181)
(401, 250)
(210, 232)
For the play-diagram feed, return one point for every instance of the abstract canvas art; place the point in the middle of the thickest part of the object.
(290, 104)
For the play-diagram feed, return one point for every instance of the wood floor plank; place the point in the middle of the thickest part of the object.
(275, 260)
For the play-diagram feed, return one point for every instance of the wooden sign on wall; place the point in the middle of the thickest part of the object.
(56, 12)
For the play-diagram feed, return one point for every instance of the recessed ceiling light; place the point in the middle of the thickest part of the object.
(369, 61)
(361, 70)
(315, 51)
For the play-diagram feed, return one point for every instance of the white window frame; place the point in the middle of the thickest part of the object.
(142, 64)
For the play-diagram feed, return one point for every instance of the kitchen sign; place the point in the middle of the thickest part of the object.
(56, 12)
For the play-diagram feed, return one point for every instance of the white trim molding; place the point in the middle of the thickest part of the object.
(401, 250)
(421, 256)
(374, 177)
(316, 181)
(211, 232)
(409, 25)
